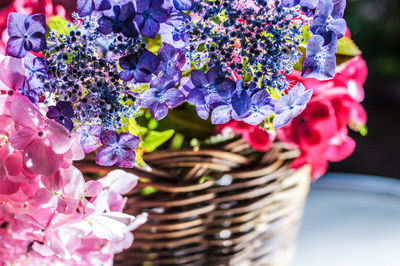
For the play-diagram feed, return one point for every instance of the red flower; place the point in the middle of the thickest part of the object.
(257, 137)
(321, 131)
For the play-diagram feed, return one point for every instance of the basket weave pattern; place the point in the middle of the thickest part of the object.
(216, 207)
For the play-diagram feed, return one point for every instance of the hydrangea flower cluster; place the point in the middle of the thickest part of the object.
(48, 213)
(227, 58)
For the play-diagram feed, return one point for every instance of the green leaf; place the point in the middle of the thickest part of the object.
(148, 191)
(154, 139)
(347, 47)
(153, 45)
(177, 141)
(58, 24)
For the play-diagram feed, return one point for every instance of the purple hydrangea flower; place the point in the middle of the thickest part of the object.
(62, 113)
(328, 21)
(149, 15)
(261, 107)
(311, 4)
(138, 68)
(160, 96)
(320, 61)
(175, 30)
(209, 90)
(237, 107)
(26, 34)
(90, 137)
(119, 19)
(291, 105)
(86, 7)
(171, 62)
(118, 149)
(35, 70)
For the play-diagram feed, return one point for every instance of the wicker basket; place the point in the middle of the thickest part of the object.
(216, 207)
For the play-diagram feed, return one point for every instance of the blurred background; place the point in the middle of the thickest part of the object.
(375, 27)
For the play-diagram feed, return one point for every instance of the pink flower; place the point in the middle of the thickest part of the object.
(42, 142)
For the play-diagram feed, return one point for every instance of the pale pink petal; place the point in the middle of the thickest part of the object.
(43, 196)
(58, 136)
(53, 182)
(139, 220)
(92, 188)
(43, 250)
(22, 137)
(110, 227)
(26, 114)
(119, 181)
(55, 243)
(40, 158)
(74, 183)
(76, 148)
(12, 72)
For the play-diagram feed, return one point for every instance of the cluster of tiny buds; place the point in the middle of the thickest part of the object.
(83, 68)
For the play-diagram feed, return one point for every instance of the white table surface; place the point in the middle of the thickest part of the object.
(351, 220)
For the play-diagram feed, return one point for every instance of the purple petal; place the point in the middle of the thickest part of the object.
(282, 119)
(174, 97)
(148, 97)
(290, 3)
(106, 156)
(149, 28)
(311, 4)
(127, 12)
(53, 112)
(109, 137)
(148, 61)
(142, 6)
(314, 45)
(66, 109)
(130, 29)
(84, 7)
(126, 159)
(126, 61)
(101, 5)
(142, 75)
(324, 9)
(166, 52)
(160, 15)
(126, 75)
(183, 4)
(15, 47)
(199, 79)
(128, 141)
(203, 111)
(38, 42)
(338, 8)
(241, 103)
(16, 24)
(37, 24)
(196, 97)
(222, 114)
(159, 110)
(339, 27)
(214, 75)
(105, 25)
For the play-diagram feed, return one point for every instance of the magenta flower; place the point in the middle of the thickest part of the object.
(118, 149)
